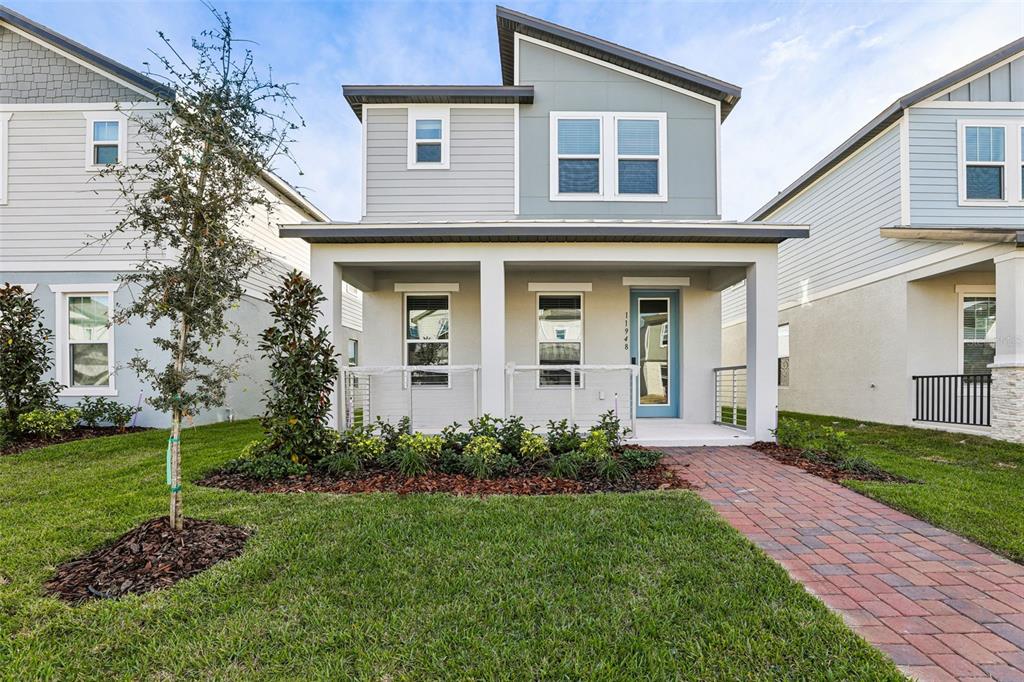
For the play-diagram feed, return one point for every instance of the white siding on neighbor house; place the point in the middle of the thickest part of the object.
(285, 254)
(55, 206)
(480, 180)
(845, 210)
(1005, 84)
(934, 194)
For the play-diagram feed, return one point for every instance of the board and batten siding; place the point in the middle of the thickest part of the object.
(1005, 84)
(845, 210)
(934, 194)
(480, 180)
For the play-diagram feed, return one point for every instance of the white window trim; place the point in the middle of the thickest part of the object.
(406, 340)
(418, 113)
(5, 117)
(536, 335)
(608, 156)
(661, 158)
(670, 362)
(1013, 130)
(963, 291)
(61, 294)
(92, 117)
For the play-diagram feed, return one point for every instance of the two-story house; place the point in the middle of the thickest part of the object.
(67, 112)
(551, 247)
(906, 305)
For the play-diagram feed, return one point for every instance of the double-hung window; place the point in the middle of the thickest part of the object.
(427, 336)
(428, 137)
(639, 157)
(991, 162)
(85, 339)
(579, 156)
(977, 330)
(608, 156)
(105, 140)
(559, 336)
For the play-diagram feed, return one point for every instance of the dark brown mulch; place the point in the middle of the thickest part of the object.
(795, 457)
(655, 478)
(77, 433)
(149, 557)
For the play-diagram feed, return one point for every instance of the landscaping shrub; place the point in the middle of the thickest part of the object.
(612, 468)
(453, 439)
(258, 461)
(97, 411)
(562, 438)
(612, 427)
(303, 369)
(566, 465)
(24, 358)
(48, 423)
(595, 447)
(390, 433)
(416, 453)
(636, 459)
(801, 435)
(480, 457)
(366, 448)
(532, 447)
(511, 431)
(485, 426)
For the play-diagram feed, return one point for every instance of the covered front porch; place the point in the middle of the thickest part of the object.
(553, 331)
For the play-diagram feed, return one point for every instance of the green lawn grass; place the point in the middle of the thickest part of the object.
(609, 586)
(971, 485)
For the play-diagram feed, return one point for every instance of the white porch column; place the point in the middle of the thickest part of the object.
(325, 273)
(1008, 366)
(492, 336)
(762, 346)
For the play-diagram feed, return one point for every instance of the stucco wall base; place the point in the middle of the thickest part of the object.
(1008, 403)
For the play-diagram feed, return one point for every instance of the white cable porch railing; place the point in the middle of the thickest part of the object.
(731, 396)
(578, 393)
(432, 396)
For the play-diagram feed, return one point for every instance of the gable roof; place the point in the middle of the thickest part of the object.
(91, 57)
(886, 118)
(511, 22)
(358, 95)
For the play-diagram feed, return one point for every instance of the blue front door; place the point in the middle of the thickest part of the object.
(654, 348)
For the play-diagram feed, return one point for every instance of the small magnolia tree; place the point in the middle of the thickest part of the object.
(303, 369)
(24, 358)
(201, 159)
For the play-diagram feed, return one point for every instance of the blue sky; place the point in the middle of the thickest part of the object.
(811, 73)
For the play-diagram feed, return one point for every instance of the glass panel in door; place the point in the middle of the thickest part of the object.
(653, 341)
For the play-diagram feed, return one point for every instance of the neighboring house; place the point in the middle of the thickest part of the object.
(551, 247)
(908, 299)
(59, 124)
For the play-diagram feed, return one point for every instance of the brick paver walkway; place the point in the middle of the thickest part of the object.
(941, 607)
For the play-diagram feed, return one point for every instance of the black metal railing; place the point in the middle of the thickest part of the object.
(953, 399)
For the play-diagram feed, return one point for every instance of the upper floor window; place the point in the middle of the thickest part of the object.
(428, 137)
(608, 156)
(985, 175)
(105, 140)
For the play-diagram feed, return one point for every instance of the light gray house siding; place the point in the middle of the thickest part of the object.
(934, 195)
(1005, 84)
(480, 180)
(32, 73)
(845, 210)
(564, 82)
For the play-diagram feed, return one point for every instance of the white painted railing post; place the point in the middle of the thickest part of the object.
(343, 399)
(634, 380)
(476, 391)
(410, 398)
(510, 377)
(735, 417)
(572, 397)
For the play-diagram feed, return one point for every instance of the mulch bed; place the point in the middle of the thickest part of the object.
(655, 478)
(796, 458)
(149, 557)
(77, 433)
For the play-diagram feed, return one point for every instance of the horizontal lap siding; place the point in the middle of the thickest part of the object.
(55, 208)
(845, 210)
(479, 182)
(934, 194)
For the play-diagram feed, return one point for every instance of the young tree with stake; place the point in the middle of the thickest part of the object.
(202, 155)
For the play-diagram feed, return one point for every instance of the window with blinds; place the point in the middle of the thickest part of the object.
(559, 336)
(638, 155)
(985, 156)
(427, 336)
(978, 323)
(579, 156)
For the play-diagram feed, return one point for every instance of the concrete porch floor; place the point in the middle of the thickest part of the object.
(676, 433)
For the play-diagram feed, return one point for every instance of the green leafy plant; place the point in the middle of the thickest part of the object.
(612, 469)
(367, 448)
(390, 433)
(566, 464)
(532, 447)
(303, 369)
(97, 411)
(563, 438)
(340, 462)
(485, 426)
(802, 435)
(595, 446)
(480, 457)
(25, 357)
(258, 462)
(511, 431)
(636, 459)
(455, 439)
(612, 427)
(48, 423)
(415, 454)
